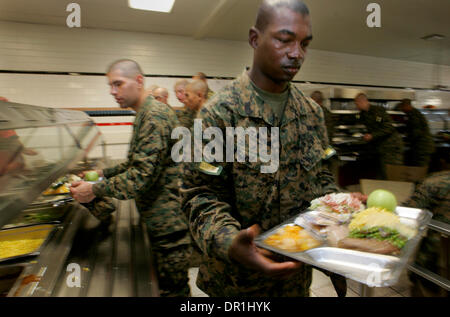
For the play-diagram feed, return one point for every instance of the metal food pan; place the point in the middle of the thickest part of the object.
(374, 270)
(39, 215)
(31, 232)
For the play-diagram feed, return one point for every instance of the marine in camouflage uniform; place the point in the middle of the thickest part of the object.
(186, 117)
(151, 178)
(387, 141)
(419, 138)
(434, 195)
(220, 206)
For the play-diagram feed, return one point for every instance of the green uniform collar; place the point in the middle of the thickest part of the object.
(253, 105)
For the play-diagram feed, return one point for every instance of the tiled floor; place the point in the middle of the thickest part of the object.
(322, 287)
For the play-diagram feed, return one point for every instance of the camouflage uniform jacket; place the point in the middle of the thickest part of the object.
(380, 125)
(418, 132)
(434, 194)
(149, 175)
(241, 196)
(186, 117)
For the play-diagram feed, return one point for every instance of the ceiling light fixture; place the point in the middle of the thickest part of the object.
(152, 5)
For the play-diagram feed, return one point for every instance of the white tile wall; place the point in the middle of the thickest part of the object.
(30, 47)
(58, 48)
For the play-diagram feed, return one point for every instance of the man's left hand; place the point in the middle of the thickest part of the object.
(82, 192)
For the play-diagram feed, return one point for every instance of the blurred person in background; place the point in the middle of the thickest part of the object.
(151, 89)
(179, 89)
(382, 134)
(149, 176)
(433, 194)
(162, 95)
(10, 147)
(202, 76)
(317, 96)
(418, 136)
(12, 150)
(195, 97)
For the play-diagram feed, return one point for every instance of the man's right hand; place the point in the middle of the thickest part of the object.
(244, 251)
(99, 172)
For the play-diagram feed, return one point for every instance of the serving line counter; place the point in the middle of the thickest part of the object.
(51, 245)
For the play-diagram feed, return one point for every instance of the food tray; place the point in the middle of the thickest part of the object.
(57, 200)
(30, 232)
(374, 270)
(39, 215)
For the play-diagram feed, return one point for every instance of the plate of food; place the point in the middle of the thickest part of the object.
(330, 210)
(61, 186)
(372, 247)
(292, 238)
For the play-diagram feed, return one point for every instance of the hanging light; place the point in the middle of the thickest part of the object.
(152, 5)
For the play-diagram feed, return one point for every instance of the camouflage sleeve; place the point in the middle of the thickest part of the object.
(208, 201)
(152, 142)
(112, 171)
(420, 198)
(385, 127)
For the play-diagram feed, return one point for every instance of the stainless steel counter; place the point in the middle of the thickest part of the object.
(86, 258)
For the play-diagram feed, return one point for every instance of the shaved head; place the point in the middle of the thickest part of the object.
(200, 76)
(268, 7)
(198, 86)
(161, 94)
(195, 92)
(127, 67)
(126, 82)
(317, 96)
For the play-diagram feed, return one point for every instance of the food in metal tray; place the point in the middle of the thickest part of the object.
(37, 216)
(61, 185)
(292, 238)
(14, 248)
(337, 207)
(377, 230)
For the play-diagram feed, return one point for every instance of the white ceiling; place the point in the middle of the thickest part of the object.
(338, 25)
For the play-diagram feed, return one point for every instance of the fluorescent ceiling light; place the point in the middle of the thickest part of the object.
(152, 5)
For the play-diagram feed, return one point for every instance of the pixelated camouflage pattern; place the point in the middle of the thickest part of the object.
(434, 195)
(186, 117)
(172, 270)
(419, 138)
(329, 121)
(150, 177)
(101, 208)
(241, 196)
(387, 141)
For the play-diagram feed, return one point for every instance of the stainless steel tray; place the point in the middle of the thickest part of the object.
(374, 270)
(30, 232)
(37, 215)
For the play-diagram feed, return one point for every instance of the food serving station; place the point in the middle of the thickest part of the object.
(51, 245)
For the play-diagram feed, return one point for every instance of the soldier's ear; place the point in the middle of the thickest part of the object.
(253, 36)
(140, 80)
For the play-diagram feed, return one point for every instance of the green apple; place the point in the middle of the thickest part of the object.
(91, 176)
(383, 199)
